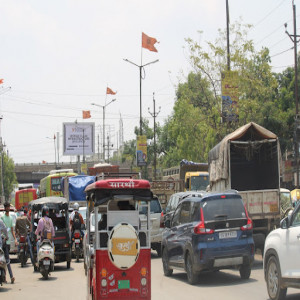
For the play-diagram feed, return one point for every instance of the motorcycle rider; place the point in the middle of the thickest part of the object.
(76, 220)
(8, 221)
(45, 229)
(22, 224)
(3, 231)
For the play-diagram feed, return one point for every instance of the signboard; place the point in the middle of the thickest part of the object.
(141, 150)
(230, 96)
(79, 138)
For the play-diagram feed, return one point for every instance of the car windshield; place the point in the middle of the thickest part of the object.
(223, 209)
(199, 183)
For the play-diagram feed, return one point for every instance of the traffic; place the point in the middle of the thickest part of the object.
(114, 224)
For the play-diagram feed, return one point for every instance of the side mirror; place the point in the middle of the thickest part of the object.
(284, 223)
(168, 223)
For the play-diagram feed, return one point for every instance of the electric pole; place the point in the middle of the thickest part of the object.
(154, 115)
(293, 38)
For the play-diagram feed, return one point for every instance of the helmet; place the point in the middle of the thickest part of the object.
(45, 211)
(76, 206)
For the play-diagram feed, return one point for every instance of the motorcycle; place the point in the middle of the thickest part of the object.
(2, 267)
(45, 258)
(78, 244)
(23, 250)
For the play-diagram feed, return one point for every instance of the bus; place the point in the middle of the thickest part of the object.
(23, 197)
(51, 184)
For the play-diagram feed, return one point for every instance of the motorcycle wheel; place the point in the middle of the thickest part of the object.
(77, 254)
(45, 273)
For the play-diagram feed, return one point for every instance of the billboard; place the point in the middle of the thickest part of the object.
(230, 96)
(141, 150)
(79, 138)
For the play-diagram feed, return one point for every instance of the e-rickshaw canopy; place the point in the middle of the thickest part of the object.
(102, 191)
(52, 202)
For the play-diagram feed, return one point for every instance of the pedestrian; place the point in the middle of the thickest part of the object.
(8, 221)
(22, 226)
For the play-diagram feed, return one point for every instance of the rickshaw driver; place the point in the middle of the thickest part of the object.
(45, 226)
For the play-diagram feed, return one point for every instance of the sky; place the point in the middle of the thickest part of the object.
(59, 56)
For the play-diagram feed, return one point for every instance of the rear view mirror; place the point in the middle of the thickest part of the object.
(168, 223)
(284, 223)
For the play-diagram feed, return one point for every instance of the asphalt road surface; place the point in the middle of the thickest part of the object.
(71, 284)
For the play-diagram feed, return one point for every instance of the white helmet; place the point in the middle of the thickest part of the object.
(76, 206)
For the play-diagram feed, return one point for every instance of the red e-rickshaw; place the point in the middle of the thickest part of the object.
(120, 258)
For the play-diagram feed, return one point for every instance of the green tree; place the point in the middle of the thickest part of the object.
(9, 176)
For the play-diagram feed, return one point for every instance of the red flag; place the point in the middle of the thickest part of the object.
(110, 91)
(43, 161)
(148, 42)
(1, 81)
(86, 114)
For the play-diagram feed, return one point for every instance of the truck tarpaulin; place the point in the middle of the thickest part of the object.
(77, 185)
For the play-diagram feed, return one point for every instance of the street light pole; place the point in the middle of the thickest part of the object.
(140, 67)
(103, 118)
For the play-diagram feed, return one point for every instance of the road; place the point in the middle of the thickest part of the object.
(71, 284)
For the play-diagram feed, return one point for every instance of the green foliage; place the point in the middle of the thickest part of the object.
(9, 175)
(196, 126)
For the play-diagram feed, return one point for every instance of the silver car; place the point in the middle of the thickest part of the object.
(156, 224)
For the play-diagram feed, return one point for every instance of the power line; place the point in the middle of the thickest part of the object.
(282, 52)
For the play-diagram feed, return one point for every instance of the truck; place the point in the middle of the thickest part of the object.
(98, 169)
(248, 161)
(194, 176)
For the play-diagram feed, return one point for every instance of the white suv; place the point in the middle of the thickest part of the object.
(281, 256)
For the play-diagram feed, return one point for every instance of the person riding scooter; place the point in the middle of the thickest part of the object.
(22, 226)
(45, 229)
(76, 220)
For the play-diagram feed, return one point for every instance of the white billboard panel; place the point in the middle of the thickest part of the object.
(79, 138)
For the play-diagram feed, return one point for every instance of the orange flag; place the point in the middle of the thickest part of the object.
(1, 81)
(86, 114)
(110, 91)
(148, 42)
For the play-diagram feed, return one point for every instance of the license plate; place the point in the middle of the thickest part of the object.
(77, 241)
(228, 235)
(123, 284)
(46, 262)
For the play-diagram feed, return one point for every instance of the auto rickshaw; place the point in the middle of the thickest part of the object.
(120, 258)
(58, 212)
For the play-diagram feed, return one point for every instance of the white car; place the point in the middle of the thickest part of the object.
(156, 224)
(281, 256)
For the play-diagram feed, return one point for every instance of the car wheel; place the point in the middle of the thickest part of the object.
(165, 260)
(274, 280)
(245, 271)
(191, 275)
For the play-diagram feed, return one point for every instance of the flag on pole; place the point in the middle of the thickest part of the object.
(86, 114)
(148, 42)
(110, 91)
(43, 161)
(1, 81)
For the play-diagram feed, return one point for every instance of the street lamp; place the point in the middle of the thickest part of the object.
(140, 67)
(103, 110)
(54, 138)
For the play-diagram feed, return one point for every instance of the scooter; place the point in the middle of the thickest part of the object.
(2, 267)
(23, 250)
(78, 244)
(45, 258)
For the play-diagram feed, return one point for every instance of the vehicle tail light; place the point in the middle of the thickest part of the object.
(200, 227)
(66, 245)
(162, 223)
(22, 239)
(77, 235)
(103, 290)
(249, 225)
(143, 271)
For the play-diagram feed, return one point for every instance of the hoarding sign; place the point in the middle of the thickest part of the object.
(79, 138)
(230, 96)
(141, 150)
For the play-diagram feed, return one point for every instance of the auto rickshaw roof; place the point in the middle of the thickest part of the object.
(120, 183)
(51, 202)
(104, 190)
